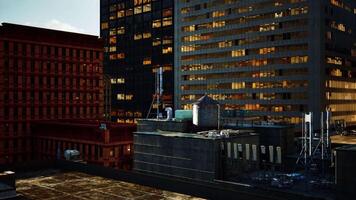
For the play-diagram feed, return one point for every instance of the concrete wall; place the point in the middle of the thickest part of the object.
(176, 156)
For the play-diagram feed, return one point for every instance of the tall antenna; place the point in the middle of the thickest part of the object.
(158, 92)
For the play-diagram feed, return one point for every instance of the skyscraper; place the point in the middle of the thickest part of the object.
(45, 75)
(138, 36)
(274, 58)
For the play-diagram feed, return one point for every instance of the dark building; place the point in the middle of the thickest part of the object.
(138, 36)
(345, 176)
(102, 143)
(275, 59)
(45, 75)
(193, 155)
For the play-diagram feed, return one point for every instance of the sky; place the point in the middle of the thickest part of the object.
(81, 16)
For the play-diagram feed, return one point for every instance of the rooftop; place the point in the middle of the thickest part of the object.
(340, 139)
(55, 185)
(44, 35)
(209, 135)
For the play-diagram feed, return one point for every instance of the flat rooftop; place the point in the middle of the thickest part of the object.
(56, 185)
(339, 139)
(239, 133)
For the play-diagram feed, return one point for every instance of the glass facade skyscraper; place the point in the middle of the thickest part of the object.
(138, 37)
(273, 58)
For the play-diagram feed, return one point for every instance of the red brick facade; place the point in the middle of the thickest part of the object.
(45, 75)
(111, 147)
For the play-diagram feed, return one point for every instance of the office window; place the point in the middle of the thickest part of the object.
(104, 25)
(238, 53)
(156, 23)
(146, 7)
(167, 21)
(120, 13)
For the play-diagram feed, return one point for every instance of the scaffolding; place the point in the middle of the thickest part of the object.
(315, 149)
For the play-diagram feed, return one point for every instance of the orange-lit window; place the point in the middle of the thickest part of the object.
(156, 23)
(166, 50)
(121, 30)
(112, 49)
(147, 7)
(112, 40)
(138, 10)
(167, 21)
(147, 61)
(104, 25)
(238, 53)
(120, 13)
(146, 35)
(120, 56)
(138, 36)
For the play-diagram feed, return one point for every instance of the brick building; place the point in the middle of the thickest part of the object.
(110, 146)
(45, 75)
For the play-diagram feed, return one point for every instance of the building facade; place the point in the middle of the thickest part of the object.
(45, 75)
(138, 37)
(98, 142)
(273, 58)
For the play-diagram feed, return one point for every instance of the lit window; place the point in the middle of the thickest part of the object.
(104, 25)
(167, 40)
(120, 13)
(138, 10)
(238, 85)
(225, 44)
(112, 57)
(112, 40)
(146, 61)
(187, 48)
(267, 50)
(334, 60)
(128, 97)
(278, 15)
(121, 30)
(156, 23)
(137, 2)
(298, 59)
(112, 32)
(112, 48)
(120, 97)
(138, 36)
(147, 7)
(146, 35)
(166, 50)
(218, 13)
(267, 27)
(113, 81)
(156, 42)
(238, 53)
(167, 21)
(120, 80)
(120, 56)
(218, 24)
